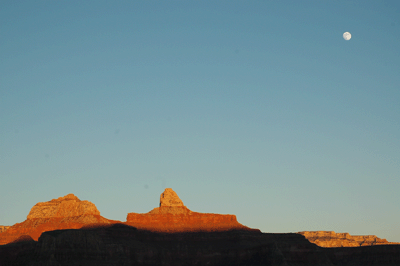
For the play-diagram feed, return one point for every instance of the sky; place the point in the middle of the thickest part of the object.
(255, 108)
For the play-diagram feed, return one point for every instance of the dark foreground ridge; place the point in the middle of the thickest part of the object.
(121, 244)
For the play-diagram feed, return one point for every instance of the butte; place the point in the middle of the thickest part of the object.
(68, 212)
(173, 216)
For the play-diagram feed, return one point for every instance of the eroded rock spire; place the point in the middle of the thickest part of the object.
(170, 199)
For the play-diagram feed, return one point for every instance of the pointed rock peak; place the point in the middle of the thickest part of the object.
(170, 199)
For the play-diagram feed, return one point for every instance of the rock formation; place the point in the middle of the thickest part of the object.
(331, 239)
(69, 212)
(3, 228)
(174, 216)
(67, 206)
(170, 199)
(67, 231)
(63, 213)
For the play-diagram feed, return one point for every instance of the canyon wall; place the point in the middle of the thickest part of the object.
(331, 239)
(119, 244)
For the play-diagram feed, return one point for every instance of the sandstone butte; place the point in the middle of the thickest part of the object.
(66, 212)
(330, 239)
(173, 216)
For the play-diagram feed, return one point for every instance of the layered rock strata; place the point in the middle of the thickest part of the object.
(174, 216)
(67, 212)
(331, 239)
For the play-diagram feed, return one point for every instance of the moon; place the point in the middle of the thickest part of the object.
(347, 36)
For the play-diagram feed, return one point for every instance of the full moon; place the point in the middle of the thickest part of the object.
(347, 36)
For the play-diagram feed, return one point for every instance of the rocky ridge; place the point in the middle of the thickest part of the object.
(331, 239)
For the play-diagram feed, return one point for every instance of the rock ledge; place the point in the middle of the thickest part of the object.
(330, 239)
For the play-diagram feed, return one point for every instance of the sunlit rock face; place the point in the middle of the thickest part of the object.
(67, 206)
(202, 239)
(174, 216)
(3, 228)
(331, 239)
(170, 199)
(67, 212)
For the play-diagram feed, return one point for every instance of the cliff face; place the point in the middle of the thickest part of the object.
(331, 239)
(66, 212)
(174, 216)
(3, 228)
(182, 220)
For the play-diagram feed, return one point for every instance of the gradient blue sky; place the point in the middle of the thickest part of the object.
(255, 108)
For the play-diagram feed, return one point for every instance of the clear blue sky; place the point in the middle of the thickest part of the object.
(255, 108)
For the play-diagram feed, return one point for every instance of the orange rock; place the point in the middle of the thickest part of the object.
(170, 199)
(67, 206)
(173, 216)
(331, 239)
(3, 228)
(69, 212)
(66, 212)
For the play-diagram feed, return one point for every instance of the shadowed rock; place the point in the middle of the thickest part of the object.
(120, 244)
